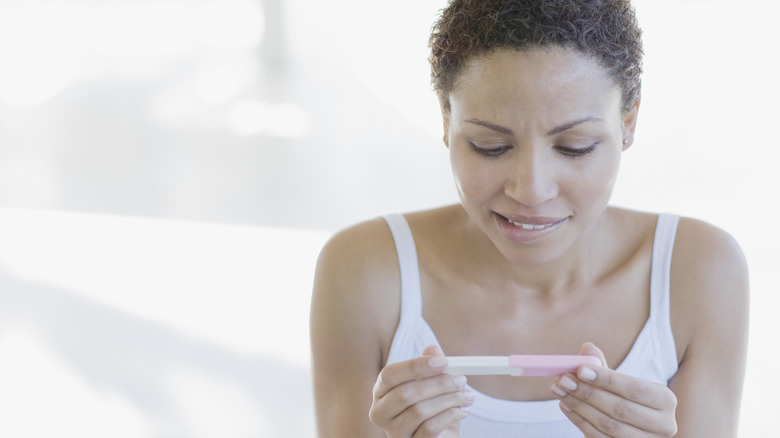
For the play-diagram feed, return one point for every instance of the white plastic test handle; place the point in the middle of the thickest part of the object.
(517, 365)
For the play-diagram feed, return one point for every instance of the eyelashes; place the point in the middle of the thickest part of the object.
(490, 152)
(578, 152)
(567, 151)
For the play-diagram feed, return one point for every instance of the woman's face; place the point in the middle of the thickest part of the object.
(535, 139)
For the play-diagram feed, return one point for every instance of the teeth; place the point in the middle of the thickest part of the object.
(528, 226)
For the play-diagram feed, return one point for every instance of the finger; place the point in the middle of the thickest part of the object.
(398, 373)
(434, 414)
(591, 431)
(417, 392)
(604, 409)
(595, 422)
(433, 427)
(650, 394)
(590, 349)
(432, 350)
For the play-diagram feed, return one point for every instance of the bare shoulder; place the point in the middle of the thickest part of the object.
(366, 248)
(357, 282)
(709, 311)
(699, 240)
(708, 264)
(354, 312)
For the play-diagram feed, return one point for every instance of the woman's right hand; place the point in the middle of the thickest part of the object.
(415, 398)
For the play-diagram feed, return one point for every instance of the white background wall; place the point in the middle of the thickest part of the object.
(169, 170)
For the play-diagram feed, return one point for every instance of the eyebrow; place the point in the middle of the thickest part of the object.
(493, 126)
(556, 130)
(573, 123)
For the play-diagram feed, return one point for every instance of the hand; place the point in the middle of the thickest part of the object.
(604, 403)
(416, 399)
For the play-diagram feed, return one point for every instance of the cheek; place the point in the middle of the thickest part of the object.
(601, 179)
(611, 167)
(472, 180)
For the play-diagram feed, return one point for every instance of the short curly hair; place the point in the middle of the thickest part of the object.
(604, 29)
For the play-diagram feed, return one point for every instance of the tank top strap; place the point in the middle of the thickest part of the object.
(660, 300)
(411, 295)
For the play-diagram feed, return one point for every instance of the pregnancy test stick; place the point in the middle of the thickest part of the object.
(517, 365)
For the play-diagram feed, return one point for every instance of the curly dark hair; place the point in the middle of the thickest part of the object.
(604, 29)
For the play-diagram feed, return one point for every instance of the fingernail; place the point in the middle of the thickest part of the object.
(568, 383)
(460, 381)
(469, 396)
(557, 389)
(564, 407)
(437, 362)
(587, 374)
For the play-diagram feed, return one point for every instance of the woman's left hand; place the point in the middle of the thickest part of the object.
(604, 403)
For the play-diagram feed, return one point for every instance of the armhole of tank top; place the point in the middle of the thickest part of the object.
(660, 308)
(411, 301)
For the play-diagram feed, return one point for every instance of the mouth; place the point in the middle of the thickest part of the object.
(532, 223)
(531, 226)
(522, 230)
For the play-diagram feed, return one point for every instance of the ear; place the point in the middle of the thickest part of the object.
(629, 124)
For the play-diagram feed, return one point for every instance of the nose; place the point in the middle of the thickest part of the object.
(532, 181)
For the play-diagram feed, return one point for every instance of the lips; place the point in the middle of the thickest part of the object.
(529, 226)
(525, 229)
(532, 222)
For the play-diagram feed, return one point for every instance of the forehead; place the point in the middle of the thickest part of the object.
(538, 80)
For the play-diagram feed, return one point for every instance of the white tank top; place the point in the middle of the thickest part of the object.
(653, 357)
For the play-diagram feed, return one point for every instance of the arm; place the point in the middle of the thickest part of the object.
(354, 311)
(710, 310)
(709, 289)
(354, 314)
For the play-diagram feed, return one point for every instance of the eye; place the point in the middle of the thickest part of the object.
(490, 152)
(577, 152)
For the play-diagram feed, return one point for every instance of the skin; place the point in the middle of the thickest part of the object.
(516, 145)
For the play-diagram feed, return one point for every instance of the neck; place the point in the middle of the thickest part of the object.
(580, 265)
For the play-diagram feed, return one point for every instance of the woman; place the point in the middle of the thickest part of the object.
(539, 99)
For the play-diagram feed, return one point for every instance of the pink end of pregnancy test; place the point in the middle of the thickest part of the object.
(517, 365)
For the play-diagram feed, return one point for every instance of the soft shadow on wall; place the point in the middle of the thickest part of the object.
(119, 326)
(75, 367)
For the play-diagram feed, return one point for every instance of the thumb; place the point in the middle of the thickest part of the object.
(590, 349)
(432, 350)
